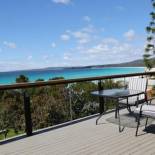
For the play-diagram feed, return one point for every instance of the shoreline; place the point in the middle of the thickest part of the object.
(10, 77)
(70, 68)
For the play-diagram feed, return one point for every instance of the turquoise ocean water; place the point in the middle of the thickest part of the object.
(9, 77)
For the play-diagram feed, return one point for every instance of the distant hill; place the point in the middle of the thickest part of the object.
(135, 63)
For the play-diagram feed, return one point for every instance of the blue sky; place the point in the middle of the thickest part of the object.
(51, 33)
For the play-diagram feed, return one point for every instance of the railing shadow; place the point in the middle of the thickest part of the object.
(150, 129)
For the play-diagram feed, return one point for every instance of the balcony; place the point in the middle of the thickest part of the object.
(76, 135)
(84, 138)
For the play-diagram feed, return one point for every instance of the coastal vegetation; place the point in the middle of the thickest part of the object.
(150, 47)
(50, 105)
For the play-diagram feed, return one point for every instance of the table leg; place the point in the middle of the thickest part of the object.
(116, 113)
(101, 108)
(99, 118)
(118, 116)
(101, 105)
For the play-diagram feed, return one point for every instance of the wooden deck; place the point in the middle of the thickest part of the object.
(84, 138)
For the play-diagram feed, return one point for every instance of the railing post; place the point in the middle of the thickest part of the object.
(27, 111)
(70, 104)
(101, 99)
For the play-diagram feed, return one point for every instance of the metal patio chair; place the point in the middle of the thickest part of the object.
(135, 84)
(146, 110)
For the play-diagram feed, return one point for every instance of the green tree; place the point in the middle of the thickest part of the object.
(21, 79)
(39, 80)
(49, 105)
(12, 113)
(149, 60)
(57, 78)
(82, 100)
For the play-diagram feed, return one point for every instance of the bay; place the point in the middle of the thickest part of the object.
(67, 73)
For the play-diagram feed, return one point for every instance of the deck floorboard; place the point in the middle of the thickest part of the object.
(84, 138)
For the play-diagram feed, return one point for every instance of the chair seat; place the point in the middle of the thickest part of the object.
(148, 110)
(131, 100)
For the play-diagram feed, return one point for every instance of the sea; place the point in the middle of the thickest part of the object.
(67, 73)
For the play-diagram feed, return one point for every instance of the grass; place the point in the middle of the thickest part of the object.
(10, 134)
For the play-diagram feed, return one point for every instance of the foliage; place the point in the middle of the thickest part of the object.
(81, 98)
(57, 78)
(109, 83)
(22, 78)
(150, 47)
(50, 105)
(38, 80)
(12, 113)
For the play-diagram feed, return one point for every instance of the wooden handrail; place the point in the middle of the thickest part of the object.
(58, 82)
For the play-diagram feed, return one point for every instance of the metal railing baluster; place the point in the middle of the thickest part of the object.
(27, 111)
(101, 99)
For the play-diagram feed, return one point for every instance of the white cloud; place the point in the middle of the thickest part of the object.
(29, 57)
(65, 37)
(107, 47)
(130, 35)
(109, 51)
(110, 41)
(87, 18)
(82, 37)
(53, 45)
(66, 57)
(62, 1)
(100, 48)
(9, 44)
(85, 50)
(89, 29)
(45, 57)
(11, 65)
(105, 51)
(68, 31)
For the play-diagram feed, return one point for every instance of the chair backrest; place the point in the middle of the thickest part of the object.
(138, 84)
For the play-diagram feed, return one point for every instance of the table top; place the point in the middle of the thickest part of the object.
(117, 93)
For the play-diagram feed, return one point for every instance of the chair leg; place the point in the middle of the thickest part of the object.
(116, 112)
(119, 121)
(129, 109)
(146, 122)
(138, 123)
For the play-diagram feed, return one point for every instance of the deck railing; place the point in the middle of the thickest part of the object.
(22, 88)
(58, 82)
